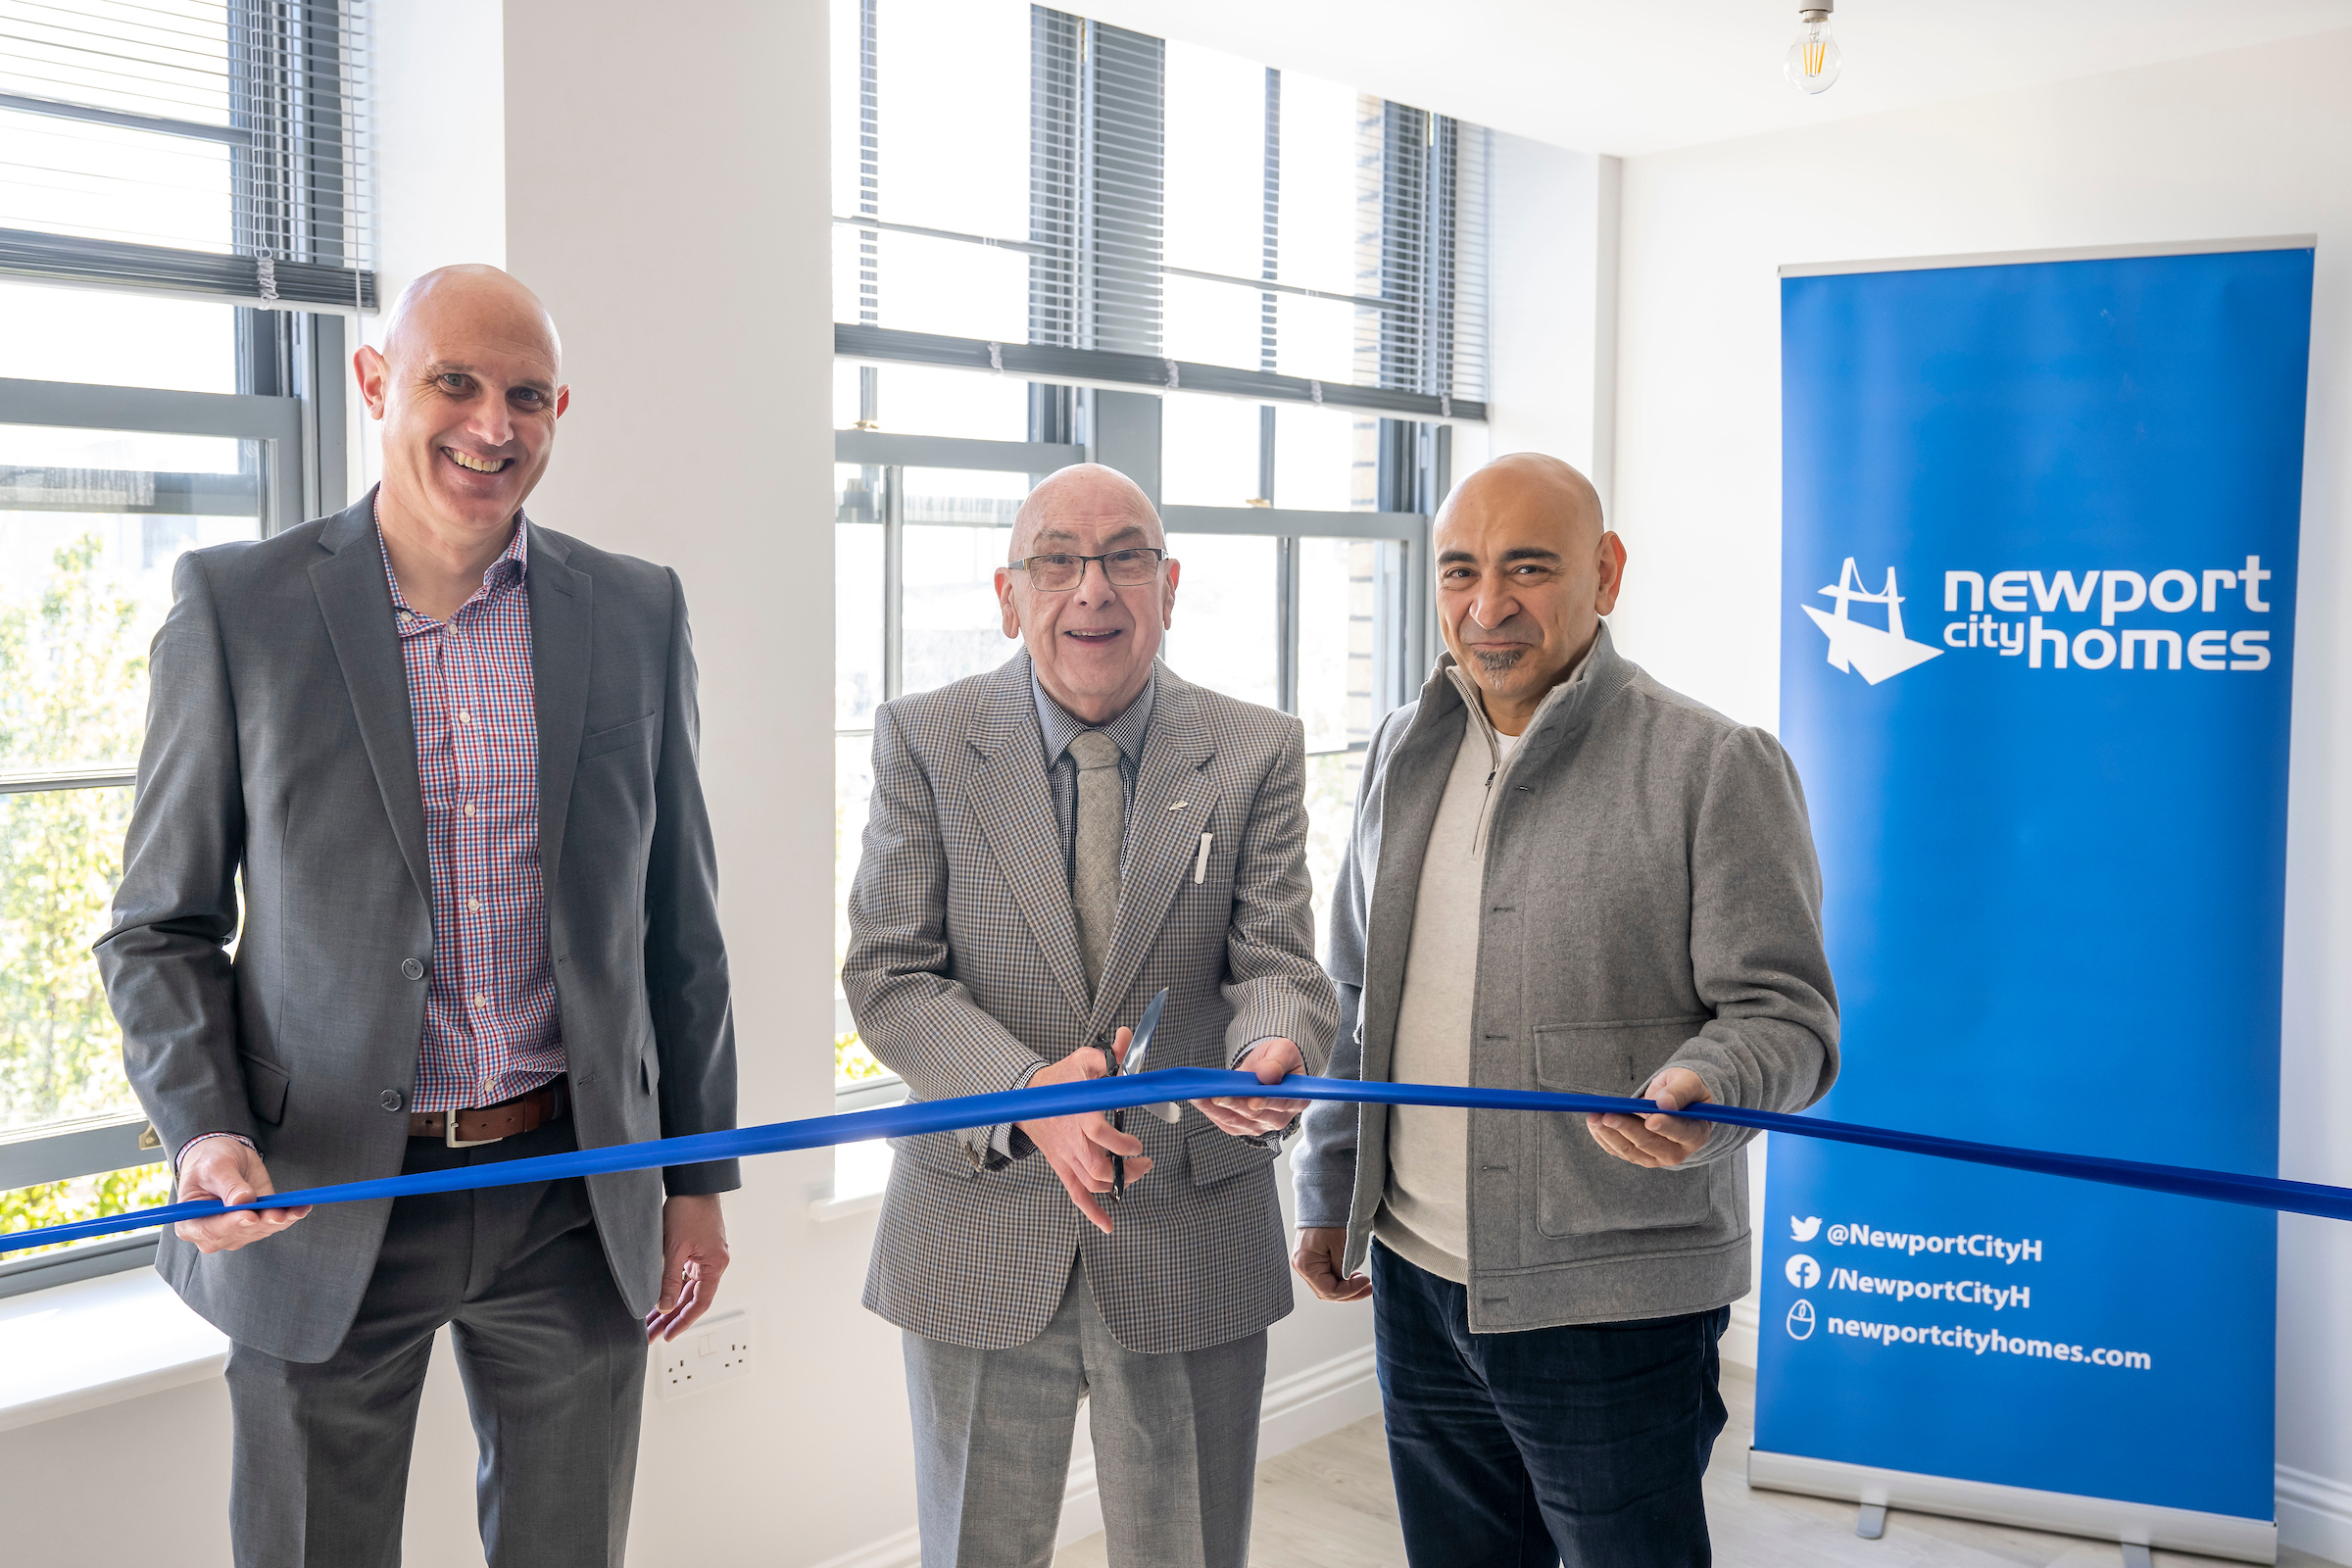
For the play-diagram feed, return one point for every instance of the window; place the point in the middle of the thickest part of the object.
(182, 208)
(1259, 295)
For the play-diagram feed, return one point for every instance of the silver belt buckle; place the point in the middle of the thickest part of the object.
(449, 1133)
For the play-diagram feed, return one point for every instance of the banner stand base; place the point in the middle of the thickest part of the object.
(2140, 1524)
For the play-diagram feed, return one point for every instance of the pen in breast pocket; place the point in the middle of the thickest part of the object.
(1200, 864)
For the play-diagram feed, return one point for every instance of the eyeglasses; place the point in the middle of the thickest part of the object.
(1058, 573)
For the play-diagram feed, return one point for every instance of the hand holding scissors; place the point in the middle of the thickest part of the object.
(1082, 1147)
(1130, 1059)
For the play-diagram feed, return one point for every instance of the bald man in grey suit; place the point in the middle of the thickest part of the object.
(1050, 844)
(449, 759)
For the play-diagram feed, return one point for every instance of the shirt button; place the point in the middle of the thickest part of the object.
(473, 905)
(391, 1100)
(414, 968)
(469, 807)
(479, 1000)
(463, 718)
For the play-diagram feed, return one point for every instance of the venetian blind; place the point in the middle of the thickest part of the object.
(211, 147)
(1356, 262)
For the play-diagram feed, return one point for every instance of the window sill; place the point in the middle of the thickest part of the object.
(43, 1271)
(92, 1343)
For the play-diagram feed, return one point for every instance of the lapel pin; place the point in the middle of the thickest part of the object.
(1176, 806)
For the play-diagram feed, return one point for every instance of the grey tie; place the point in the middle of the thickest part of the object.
(1101, 822)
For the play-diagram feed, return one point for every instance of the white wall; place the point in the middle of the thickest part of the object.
(439, 71)
(2251, 142)
(1553, 305)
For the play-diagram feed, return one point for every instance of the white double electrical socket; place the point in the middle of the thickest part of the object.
(717, 1350)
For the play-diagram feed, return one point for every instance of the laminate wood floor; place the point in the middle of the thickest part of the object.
(1328, 1505)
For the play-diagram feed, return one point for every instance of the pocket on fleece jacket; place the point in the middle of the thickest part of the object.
(1584, 1190)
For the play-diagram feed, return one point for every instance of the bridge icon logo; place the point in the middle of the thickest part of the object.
(1858, 646)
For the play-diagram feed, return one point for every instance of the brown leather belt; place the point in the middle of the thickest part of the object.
(525, 1113)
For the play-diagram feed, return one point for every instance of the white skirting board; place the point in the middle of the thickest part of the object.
(2314, 1514)
(1297, 1409)
(2176, 1529)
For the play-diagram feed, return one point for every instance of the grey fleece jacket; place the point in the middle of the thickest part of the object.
(1652, 900)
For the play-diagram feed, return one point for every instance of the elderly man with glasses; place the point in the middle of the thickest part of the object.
(1051, 845)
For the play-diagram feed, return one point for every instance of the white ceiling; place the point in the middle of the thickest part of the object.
(1643, 76)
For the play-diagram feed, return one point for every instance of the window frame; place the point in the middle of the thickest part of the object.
(295, 478)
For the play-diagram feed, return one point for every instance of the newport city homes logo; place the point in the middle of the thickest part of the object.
(1856, 646)
(2082, 619)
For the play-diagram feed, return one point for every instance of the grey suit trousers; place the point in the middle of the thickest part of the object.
(1175, 1444)
(553, 1366)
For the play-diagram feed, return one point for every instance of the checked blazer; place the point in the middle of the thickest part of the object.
(965, 974)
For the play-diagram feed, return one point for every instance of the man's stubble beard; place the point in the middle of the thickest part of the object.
(1499, 663)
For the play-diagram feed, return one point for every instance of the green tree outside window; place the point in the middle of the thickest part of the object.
(73, 681)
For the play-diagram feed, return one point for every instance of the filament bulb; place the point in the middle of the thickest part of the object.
(1813, 59)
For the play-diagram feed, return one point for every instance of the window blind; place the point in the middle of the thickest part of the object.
(211, 147)
(1120, 296)
(1432, 240)
(1095, 204)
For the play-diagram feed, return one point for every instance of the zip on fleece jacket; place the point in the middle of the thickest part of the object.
(1497, 764)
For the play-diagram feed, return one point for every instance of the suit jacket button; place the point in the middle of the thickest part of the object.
(414, 968)
(391, 1098)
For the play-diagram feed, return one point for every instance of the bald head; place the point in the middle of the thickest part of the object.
(1525, 572)
(468, 386)
(1084, 493)
(1091, 646)
(1538, 485)
(471, 299)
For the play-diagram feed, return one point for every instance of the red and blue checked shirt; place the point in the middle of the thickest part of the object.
(490, 1027)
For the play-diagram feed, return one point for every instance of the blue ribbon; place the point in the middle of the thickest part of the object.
(1202, 1083)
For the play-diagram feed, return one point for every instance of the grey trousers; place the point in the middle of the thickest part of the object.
(1175, 1444)
(553, 1366)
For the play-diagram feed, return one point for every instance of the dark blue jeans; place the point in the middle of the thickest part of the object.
(1582, 1445)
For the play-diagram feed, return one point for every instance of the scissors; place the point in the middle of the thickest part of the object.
(1138, 1047)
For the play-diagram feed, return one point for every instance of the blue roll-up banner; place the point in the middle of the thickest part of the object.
(2038, 585)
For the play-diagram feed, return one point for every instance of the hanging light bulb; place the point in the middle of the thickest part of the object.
(1813, 59)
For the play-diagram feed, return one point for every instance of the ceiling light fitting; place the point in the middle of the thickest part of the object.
(1813, 59)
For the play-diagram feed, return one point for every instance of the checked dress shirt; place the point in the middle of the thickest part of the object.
(490, 1030)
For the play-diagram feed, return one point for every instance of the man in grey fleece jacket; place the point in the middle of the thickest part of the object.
(1562, 875)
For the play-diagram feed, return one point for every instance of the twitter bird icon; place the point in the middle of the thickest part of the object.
(1804, 1229)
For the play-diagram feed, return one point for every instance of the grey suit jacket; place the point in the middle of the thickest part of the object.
(965, 973)
(1652, 900)
(279, 749)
